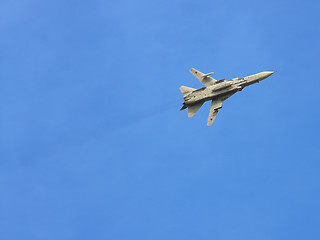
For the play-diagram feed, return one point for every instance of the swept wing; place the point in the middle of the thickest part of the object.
(214, 109)
(204, 78)
(216, 105)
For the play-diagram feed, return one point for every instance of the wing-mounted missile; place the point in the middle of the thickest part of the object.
(206, 75)
(220, 81)
(239, 88)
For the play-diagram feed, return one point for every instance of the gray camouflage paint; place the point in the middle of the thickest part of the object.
(217, 91)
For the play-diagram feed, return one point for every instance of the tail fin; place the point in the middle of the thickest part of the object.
(186, 90)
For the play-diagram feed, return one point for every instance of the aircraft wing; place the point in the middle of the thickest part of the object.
(204, 78)
(214, 109)
(216, 105)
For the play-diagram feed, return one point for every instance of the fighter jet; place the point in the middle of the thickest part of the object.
(215, 90)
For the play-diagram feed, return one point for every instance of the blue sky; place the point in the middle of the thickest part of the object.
(93, 145)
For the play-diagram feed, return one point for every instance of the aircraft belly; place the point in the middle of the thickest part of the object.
(211, 96)
(188, 103)
(223, 92)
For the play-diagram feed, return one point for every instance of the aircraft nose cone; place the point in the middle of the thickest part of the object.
(268, 74)
(264, 75)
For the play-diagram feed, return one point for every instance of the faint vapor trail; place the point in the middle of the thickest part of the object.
(119, 122)
(63, 141)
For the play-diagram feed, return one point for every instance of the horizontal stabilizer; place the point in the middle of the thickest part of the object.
(192, 110)
(186, 90)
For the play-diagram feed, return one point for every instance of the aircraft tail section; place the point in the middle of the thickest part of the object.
(186, 90)
(193, 109)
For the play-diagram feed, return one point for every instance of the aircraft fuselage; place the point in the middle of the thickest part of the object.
(223, 88)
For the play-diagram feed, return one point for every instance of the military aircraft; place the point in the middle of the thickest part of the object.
(215, 90)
